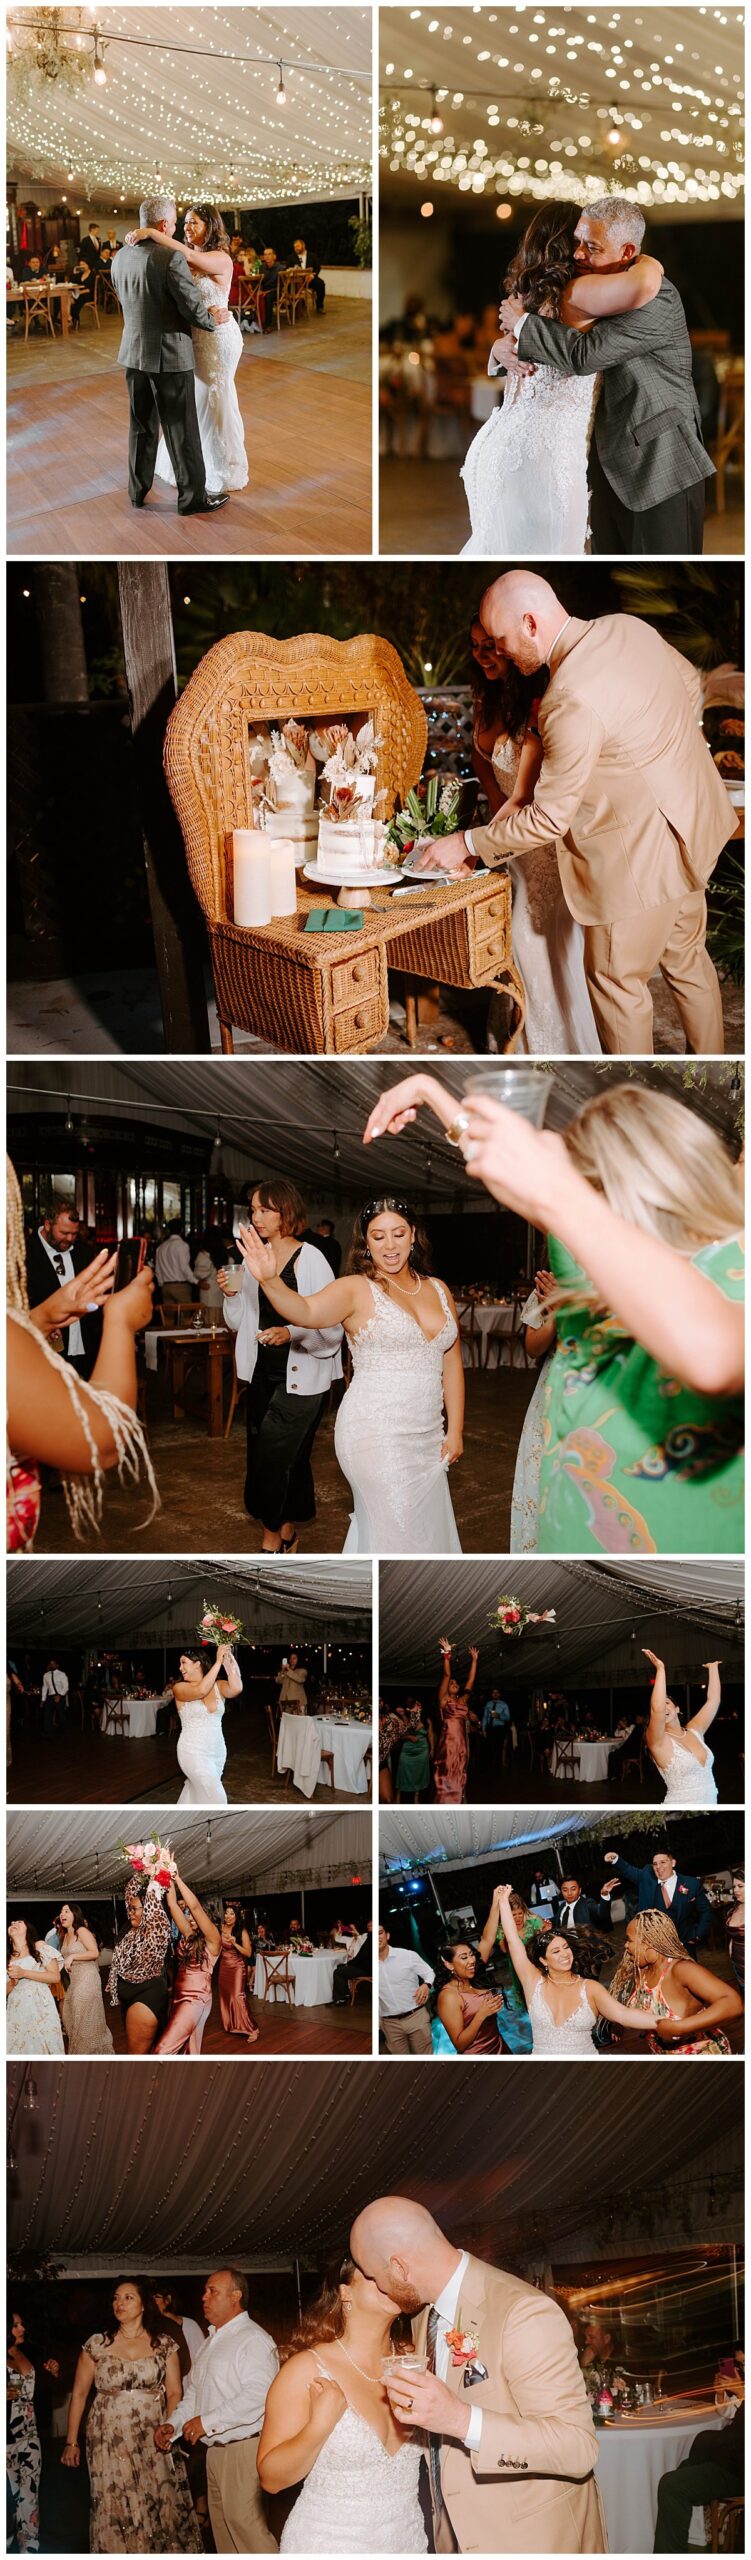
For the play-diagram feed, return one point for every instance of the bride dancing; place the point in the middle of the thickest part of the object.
(329, 2423)
(562, 2010)
(401, 1325)
(548, 943)
(679, 1751)
(200, 1701)
(217, 355)
(525, 473)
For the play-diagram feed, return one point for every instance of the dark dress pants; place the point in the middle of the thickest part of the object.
(676, 525)
(166, 400)
(705, 2475)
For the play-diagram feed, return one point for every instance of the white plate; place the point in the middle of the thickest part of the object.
(367, 878)
(427, 879)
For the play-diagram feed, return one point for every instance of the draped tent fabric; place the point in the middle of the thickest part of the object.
(452, 1836)
(288, 1116)
(265, 2164)
(78, 1853)
(151, 1601)
(597, 1606)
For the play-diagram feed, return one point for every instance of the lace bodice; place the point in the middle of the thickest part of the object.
(525, 473)
(202, 1751)
(358, 2494)
(392, 1338)
(217, 354)
(689, 1781)
(389, 1432)
(203, 1728)
(573, 2037)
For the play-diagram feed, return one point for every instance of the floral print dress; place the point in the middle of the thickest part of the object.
(634, 1462)
(452, 1755)
(652, 1996)
(24, 2458)
(139, 2497)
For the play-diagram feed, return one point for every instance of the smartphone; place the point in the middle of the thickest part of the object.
(131, 1256)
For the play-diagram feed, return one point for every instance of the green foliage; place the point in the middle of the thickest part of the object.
(694, 604)
(362, 240)
(726, 916)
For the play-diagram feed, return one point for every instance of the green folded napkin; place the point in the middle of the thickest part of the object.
(334, 920)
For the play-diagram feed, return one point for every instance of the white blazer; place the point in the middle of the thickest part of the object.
(315, 1354)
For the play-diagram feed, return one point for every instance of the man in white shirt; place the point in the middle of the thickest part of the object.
(404, 1981)
(193, 2335)
(222, 2405)
(174, 1269)
(54, 1692)
(512, 2445)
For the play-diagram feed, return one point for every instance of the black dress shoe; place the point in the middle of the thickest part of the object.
(209, 504)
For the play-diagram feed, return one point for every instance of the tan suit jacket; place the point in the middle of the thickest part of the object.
(530, 2486)
(627, 787)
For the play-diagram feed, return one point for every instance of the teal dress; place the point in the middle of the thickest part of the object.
(413, 1767)
(634, 1462)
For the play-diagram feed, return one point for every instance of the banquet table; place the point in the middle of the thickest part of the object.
(631, 2460)
(184, 1342)
(313, 1978)
(590, 1760)
(303, 1738)
(140, 1714)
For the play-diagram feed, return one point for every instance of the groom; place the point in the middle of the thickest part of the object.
(512, 2446)
(648, 466)
(161, 303)
(628, 792)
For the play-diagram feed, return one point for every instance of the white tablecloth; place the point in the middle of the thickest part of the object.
(174, 1333)
(590, 1761)
(140, 1718)
(630, 2464)
(303, 1738)
(312, 1977)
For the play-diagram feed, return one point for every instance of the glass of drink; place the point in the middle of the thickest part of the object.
(398, 2366)
(523, 1088)
(232, 1279)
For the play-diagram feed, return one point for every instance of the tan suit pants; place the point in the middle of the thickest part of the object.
(238, 2522)
(620, 959)
(410, 2034)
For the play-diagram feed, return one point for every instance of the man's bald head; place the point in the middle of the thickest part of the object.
(522, 614)
(397, 2243)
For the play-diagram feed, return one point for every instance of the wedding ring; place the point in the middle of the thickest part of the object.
(458, 1126)
(409, 2404)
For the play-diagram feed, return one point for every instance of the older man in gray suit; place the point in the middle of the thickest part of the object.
(648, 466)
(160, 306)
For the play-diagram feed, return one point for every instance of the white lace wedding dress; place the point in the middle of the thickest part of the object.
(358, 2497)
(548, 945)
(220, 425)
(574, 2037)
(525, 473)
(688, 1781)
(388, 1435)
(201, 1753)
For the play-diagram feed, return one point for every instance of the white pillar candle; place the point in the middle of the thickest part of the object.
(281, 853)
(251, 877)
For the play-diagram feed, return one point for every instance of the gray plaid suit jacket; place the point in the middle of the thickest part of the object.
(647, 426)
(160, 305)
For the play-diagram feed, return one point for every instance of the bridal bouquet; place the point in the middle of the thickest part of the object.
(151, 1858)
(217, 1627)
(512, 1616)
(432, 810)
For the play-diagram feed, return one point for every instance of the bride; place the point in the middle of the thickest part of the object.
(329, 2424)
(217, 355)
(403, 1334)
(679, 1752)
(562, 2006)
(548, 943)
(200, 1701)
(525, 472)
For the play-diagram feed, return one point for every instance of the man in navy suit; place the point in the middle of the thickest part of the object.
(578, 1917)
(659, 1887)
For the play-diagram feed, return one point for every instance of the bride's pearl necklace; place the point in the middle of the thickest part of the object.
(359, 2368)
(406, 1293)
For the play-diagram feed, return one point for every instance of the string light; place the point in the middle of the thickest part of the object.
(281, 95)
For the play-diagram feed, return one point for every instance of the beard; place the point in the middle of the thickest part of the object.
(407, 2297)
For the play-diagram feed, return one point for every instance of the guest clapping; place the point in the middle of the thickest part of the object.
(139, 2497)
(222, 2406)
(288, 1368)
(469, 2015)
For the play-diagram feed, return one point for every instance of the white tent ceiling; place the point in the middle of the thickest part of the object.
(306, 1118)
(146, 1601)
(188, 103)
(415, 1836)
(567, 102)
(274, 2160)
(596, 1608)
(80, 1853)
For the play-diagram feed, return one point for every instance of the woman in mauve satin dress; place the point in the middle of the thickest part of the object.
(236, 1948)
(194, 1965)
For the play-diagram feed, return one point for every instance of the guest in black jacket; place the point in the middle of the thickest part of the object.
(55, 1253)
(714, 2468)
(659, 1887)
(323, 1235)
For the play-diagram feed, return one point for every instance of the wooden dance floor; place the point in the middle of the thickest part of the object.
(305, 396)
(86, 1768)
(283, 2030)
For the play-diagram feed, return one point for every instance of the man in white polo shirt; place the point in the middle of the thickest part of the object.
(404, 1981)
(222, 2405)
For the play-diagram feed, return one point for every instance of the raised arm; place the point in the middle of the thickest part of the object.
(443, 1684)
(302, 2409)
(598, 295)
(656, 1720)
(705, 1716)
(209, 1681)
(42, 1418)
(231, 1686)
(333, 1305)
(199, 1917)
(472, 1672)
(526, 1972)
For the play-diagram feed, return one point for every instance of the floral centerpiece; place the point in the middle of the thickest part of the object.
(217, 1626)
(349, 831)
(512, 1616)
(151, 1858)
(431, 810)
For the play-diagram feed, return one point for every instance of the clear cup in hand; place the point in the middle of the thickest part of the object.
(232, 1279)
(398, 2365)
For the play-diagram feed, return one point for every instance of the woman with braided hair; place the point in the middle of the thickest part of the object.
(689, 2005)
(399, 1427)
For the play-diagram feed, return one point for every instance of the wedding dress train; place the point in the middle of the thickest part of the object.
(201, 1753)
(220, 424)
(548, 945)
(358, 2497)
(388, 1435)
(525, 472)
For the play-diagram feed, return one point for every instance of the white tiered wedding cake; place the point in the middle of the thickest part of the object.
(350, 836)
(283, 766)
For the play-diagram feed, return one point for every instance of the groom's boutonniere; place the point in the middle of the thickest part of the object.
(464, 2349)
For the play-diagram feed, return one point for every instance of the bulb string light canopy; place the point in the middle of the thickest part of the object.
(547, 104)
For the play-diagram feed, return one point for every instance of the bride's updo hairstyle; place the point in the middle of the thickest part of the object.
(544, 262)
(288, 1202)
(216, 236)
(359, 1257)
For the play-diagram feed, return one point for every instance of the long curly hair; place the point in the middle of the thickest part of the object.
(326, 2317)
(151, 2319)
(358, 1258)
(504, 701)
(544, 262)
(655, 1936)
(216, 235)
(538, 1947)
